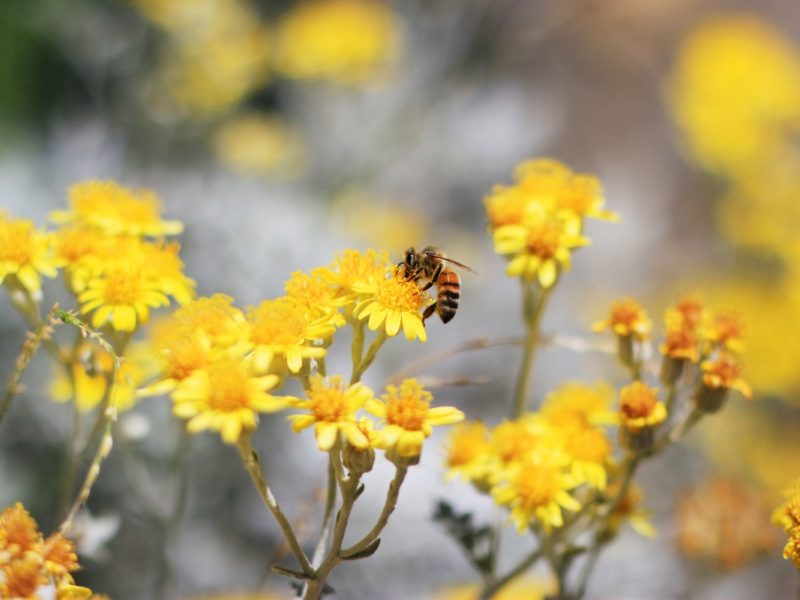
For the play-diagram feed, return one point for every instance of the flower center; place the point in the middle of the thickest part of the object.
(407, 411)
(278, 324)
(626, 313)
(537, 485)
(328, 403)
(229, 387)
(727, 369)
(512, 441)
(19, 528)
(123, 286)
(467, 444)
(544, 240)
(400, 295)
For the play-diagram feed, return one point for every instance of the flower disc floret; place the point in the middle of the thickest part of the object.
(409, 418)
(333, 406)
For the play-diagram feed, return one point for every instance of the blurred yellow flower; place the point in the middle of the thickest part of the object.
(226, 397)
(253, 143)
(735, 92)
(627, 318)
(639, 407)
(285, 329)
(575, 403)
(409, 418)
(333, 407)
(467, 452)
(116, 210)
(352, 269)
(25, 254)
(724, 373)
(343, 41)
(314, 292)
(538, 489)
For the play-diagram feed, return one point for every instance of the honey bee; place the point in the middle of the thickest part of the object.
(427, 267)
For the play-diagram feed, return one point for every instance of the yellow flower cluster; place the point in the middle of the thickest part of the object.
(25, 254)
(32, 566)
(537, 222)
(788, 517)
(115, 257)
(221, 364)
(538, 464)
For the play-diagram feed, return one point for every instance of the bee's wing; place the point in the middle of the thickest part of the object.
(456, 263)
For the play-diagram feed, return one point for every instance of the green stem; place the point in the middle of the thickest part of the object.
(251, 463)
(327, 519)
(367, 359)
(388, 507)
(357, 349)
(533, 308)
(494, 586)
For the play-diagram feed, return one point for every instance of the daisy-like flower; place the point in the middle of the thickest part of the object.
(80, 249)
(226, 397)
(538, 248)
(123, 297)
(725, 329)
(575, 403)
(467, 453)
(720, 375)
(313, 292)
(393, 303)
(409, 418)
(353, 268)
(627, 318)
(25, 254)
(640, 412)
(582, 196)
(116, 210)
(680, 344)
(788, 517)
(538, 490)
(590, 452)
(513, 442)
(286, 329)
(506, 205)
(690, 313)
(332, 409)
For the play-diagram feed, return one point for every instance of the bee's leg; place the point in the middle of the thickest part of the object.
(434, 278)
(429, 311)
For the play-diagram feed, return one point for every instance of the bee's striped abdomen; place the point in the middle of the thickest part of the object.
(448, 289)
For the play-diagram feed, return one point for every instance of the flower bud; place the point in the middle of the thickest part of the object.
(358, 461)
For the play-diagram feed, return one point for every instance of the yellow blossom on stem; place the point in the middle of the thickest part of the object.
(409, 418)
(393, 303)
(332, 409)
(680, 344)
(538, 490)
(116, 210)
(627, 318)
(314, 292)
(578, 403)
(582, 196)
(512, 442)
(226, 397)
(467, 452)
(724, 373)
(538, 248)
(25, 254)
(788, 517)
(590, 452)
(639, 407)
(286, 329)
(352, 269)
(725, 329)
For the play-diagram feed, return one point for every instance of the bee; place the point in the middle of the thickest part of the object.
(428, 268)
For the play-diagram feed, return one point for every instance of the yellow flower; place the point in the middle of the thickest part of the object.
(284, 328)
(344, 41)
(227, 398)
(627, 318)
(629, 509)
(468, 452)
(116, 210)
(314, 292)
(255, 143)
(724, 373)
(582, 196)
(725, 329)
(513, 442)
(792, 549)
(333, 407)
(680, 344)
(735, 92)
(353, 269)
(590, 452)
(639, 407)
(25, 254)
(90, 370)
(575, 403)
(788, 517)
(539, 247)
(392, 303)
(81, 249)
(409, 418)
(538, 489)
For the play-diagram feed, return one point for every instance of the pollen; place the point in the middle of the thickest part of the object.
(229, 390)
(20, 531)
(59, 555)
(407, 405)
(22, 577)
(400, 295)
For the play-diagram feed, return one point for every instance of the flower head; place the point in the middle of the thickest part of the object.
(116, 210)
(725, 372)
(226, 397)
(467, 452)
(393, 303)
(639, 407)
(285, 328)
(313, 292)
(627, 318)
(25, 254)
(332, 409)
(409, 418)
(578, 404)
(538, 489)
(725, 329)
(353, 269)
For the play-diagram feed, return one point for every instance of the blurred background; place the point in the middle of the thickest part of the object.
(282, 132)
